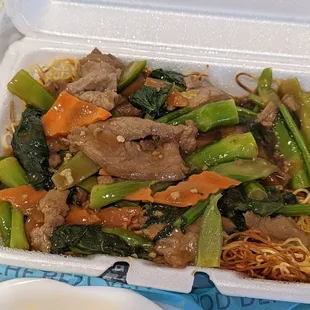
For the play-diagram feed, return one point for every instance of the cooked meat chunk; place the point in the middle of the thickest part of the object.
(228, 225)
(268, 115)
(207, 93)
(133, 129)
(57, 144)
(179, 250)
(290, 102)
(80, 196)
(153, 230)
(55, 87)
(201, 91)
(97, 56)
(192, 81)
(278, 229)
(106, 100)
(110, 144)
(54, 207)
(230, 130)
(125, 108)
(210, 137)
(54, 160)
(97, 84)
(94, 81)
(105, 179)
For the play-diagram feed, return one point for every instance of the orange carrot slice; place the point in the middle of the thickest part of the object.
(177, 100)
(68, 112)
(22, 197)
(197, 187)
(78, 216)
(119, 217)
(143, 194)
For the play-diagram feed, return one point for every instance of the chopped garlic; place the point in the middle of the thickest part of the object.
(68, 176)
(120, 139)
(175, 195)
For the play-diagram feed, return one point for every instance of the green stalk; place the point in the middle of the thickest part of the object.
(88, 184)
(254, 191)
(244, 111)
(11, 172)
(228, 149)
(18, 235)
(132, 239)
(212, 115)
(173, 115)
(296, 134)
(246, 170)
(29, 90)
(161, 186)
(210, 236)
(282, 135)
(264, 82)
(105, 194)
(289, 149)
(74, 171)
(295, 210)
(192, 214)
(259, 103)
(5, 222)
(293, 88)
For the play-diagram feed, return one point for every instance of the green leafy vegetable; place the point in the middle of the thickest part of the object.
(138, 243)
(88, 240)
(169, 76)
(149, 100)
(210, 236)
(262, 208)
(30, 148)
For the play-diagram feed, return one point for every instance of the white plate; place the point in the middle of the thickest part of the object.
(44, 294)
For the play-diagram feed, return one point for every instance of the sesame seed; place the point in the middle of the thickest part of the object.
(120, 139)
(194, 190)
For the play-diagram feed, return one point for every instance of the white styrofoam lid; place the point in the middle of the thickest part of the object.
(273, 27)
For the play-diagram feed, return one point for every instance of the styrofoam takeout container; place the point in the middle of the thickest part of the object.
(229, 36)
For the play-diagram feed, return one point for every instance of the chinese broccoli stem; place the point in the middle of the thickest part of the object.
(254, 191)
(173, 115)
(104, 194)
(11, 172)
(228, 149)
(18, 234)
(5, 222)
(212, 115)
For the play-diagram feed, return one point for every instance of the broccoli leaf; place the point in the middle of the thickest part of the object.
(262, 208)
(30, 148)
(149, 100)
(169, 76)
(88, 240)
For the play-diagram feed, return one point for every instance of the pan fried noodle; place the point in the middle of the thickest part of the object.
(303, 196)
(254, 253)
(59, 69)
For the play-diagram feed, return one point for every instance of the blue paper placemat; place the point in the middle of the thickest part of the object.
(203, 296)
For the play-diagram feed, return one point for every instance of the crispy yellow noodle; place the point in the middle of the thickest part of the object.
(254, 253)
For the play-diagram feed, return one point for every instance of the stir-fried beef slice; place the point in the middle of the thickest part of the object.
(228, 225)
(99, 75)
(54, 207)
(105, 179)
(268, 115)
(133, 129)
(203, 91)
(55, 87)
(278, 229)
(54, 160)
(291, 102)
(110, 145)
(97, 56)
(179, 250)
(57, 144)
(106, 100)
(125, 108)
